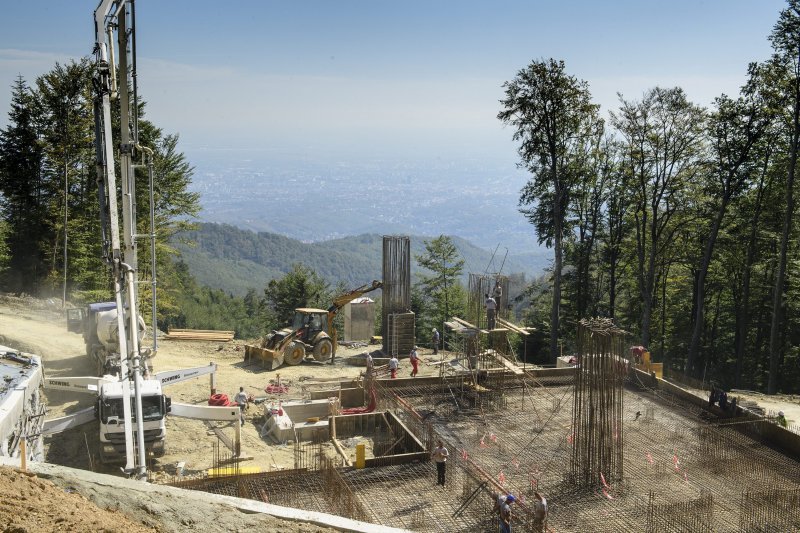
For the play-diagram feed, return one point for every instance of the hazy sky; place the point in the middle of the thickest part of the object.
(379, 77)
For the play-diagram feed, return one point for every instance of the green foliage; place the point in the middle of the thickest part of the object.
(301, 287)
(48, 186)
(4, 254)
(439, 295)
(24, 209)
(681, 227)
(196, 307)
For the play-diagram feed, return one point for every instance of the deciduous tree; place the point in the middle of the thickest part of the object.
(551, 112)
(663, 149)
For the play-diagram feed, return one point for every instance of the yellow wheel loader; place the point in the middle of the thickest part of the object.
(311, 333)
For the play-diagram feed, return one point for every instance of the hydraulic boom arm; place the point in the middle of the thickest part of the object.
(342, 300)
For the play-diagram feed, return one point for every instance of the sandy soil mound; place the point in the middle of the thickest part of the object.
(31, 504)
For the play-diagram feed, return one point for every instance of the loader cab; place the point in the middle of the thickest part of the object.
(311, 321)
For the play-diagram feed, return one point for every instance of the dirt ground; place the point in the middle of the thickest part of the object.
(36, 327)
(61, 499)
(30, 504)
(789, 404)
(39, 327)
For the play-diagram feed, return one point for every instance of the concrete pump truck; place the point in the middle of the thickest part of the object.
(130, 403)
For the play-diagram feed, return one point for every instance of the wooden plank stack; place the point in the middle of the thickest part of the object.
(210, 335)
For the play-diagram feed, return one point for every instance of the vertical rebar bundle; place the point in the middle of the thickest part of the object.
(597, 443)
(396, 285)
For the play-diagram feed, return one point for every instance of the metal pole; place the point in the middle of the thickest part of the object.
(141, 467)
(154, 282)
(66, 196)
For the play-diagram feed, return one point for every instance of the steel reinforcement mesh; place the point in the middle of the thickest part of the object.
(684, 470)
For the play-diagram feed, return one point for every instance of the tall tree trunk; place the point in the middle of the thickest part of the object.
(556, 308)
(580, 296)
(664, 358)
(701, 281)
(612, 288)
(648, 287)
(743, 321)
(714, 330)
(780, 279)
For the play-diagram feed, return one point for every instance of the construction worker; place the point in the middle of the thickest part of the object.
(241, 400)
(498, 500)
(393, 364)
(505, 514)
(414, 358)
(435, 341)
(497, 294)
(781, 419)
(370, 364)
(539, 512)
(491, 310)
(440, 455)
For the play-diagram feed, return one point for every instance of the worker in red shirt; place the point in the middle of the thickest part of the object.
(414, 358)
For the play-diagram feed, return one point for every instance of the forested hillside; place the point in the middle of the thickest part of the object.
(250, 260)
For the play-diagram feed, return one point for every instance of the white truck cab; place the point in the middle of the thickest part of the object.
(155, 406)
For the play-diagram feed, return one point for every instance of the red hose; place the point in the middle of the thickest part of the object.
(220, 400)
(373, 401)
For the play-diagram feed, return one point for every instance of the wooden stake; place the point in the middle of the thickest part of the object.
(23, 455)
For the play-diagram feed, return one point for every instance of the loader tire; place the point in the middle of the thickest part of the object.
(294, 353)
(322, 350)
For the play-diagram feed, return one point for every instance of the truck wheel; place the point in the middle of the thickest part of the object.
(323, 349)
(294, 353)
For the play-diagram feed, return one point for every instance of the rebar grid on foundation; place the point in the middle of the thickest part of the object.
(520, 443)
(526, 444)
(770, 510)
(396, 296)
(597, 449)
(693, 516)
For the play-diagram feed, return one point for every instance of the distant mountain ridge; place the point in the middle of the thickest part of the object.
(225, 257)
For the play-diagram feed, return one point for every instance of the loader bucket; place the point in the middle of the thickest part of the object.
(270, 359)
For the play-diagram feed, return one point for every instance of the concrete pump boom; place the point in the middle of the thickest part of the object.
(110, 15)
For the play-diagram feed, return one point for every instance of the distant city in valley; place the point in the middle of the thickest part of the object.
(322, 198)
